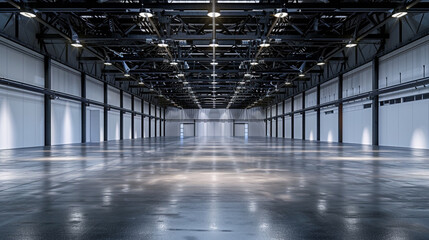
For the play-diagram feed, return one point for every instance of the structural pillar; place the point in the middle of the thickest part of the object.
(143, 117)
(47, 101)
(83, 106)
(318, 112)
(340, 108)
(164, 122)
(284, 119)
(375, 102)
(150, 121)
(121, 115)
(292, 122)
(132, 116)
(277, 120)
(106, 113)
(303, 115)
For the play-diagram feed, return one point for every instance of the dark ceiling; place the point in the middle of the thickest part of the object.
(115, 32)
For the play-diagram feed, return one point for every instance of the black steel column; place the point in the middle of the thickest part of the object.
(165, 119)
(155, 120)
(195, 128)
(47, 101)
(266, 122)
(271, 121)
(233, 127)
(318, 112)
(292, 122)
(106, 113)
(277, 120)
(121, 115)
(143, 117)
(150, 121)
(83, 106)
(340, 108)
(303, 115)
(284, 119)
(375, 103)
(132, 117)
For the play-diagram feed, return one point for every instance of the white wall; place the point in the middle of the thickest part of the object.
(137, 126)
(329, 125)
(215, 122)
(113, 125)
(288, 125)
(66, 114)
(66, 122)
(280, 127)
(127, 126)
(21, 112)
(297, 126)
(21, 119)
(146, 127)
(310, 125)
(357, 123)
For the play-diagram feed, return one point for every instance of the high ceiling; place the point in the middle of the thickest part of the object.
(180, 32)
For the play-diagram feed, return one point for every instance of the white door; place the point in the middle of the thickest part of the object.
(188, 129)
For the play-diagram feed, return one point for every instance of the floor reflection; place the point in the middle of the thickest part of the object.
(214, 188)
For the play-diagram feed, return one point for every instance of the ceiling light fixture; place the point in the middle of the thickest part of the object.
(213, 14)
(76, 44)
(28, 14)
(146, 13)
(162, 44)
(214, 63)
(399, 14)
(301, 75)
(214, 43)
(264, 44)
(127, 74)
(254, 63)
(351, 44)
(320, 63)
(281, 13)
(174, 63)
(107, 63)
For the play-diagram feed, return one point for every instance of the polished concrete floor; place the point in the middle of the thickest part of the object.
(214, 188)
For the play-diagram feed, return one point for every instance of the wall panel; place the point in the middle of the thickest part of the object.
(297, 126)
(310, 125)
(357, 123)
(66, 122)
(329, 125)
(114, 126)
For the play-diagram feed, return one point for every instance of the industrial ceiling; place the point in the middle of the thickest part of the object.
(223, 54)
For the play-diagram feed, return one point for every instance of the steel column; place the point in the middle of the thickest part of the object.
(165, 120)
(284, 119)
(375, 103)
(340, 108)
(303, 116)
(277, 122)
(271, 121)
(292, 121)
(121, 115)
(150, 121)
(155, 120)
(47, 101)
(132, 117)
(83, 106)
(106, 113)
(143, 117)
(318, 112)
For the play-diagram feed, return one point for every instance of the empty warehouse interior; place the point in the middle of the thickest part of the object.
(214, 119)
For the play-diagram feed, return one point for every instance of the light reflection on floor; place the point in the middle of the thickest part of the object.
(214, 188)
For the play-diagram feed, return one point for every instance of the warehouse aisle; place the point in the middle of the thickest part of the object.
(214, 188)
